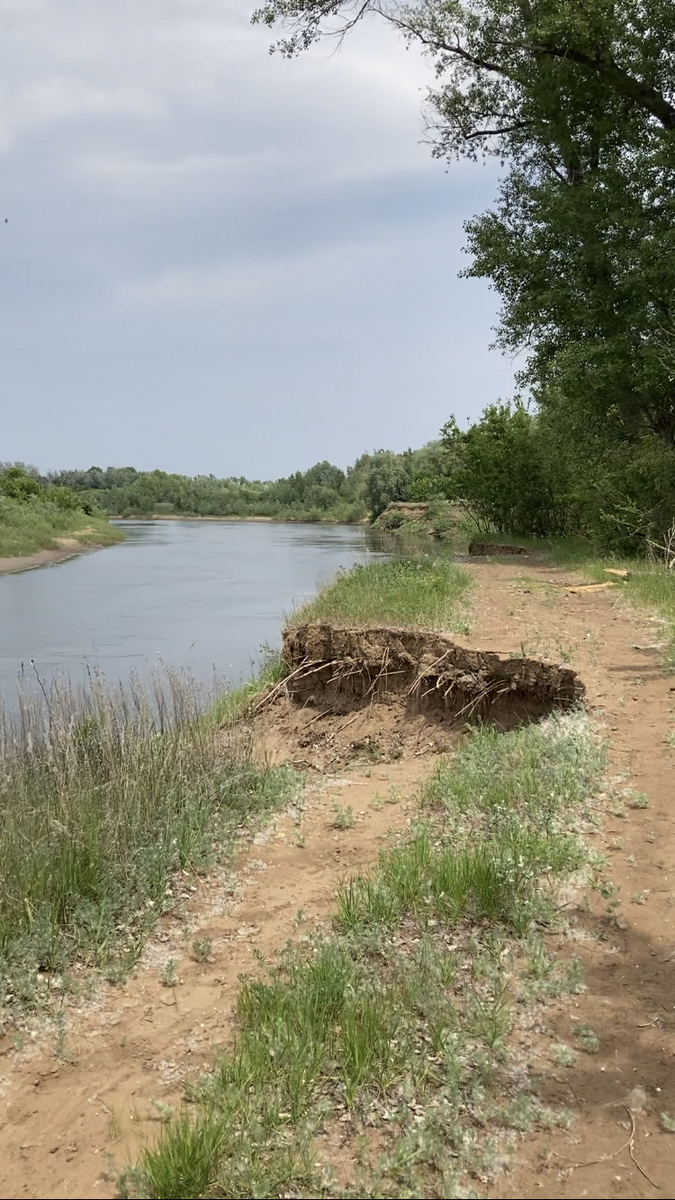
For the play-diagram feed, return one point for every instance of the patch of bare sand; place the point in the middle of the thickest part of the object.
(66, 547)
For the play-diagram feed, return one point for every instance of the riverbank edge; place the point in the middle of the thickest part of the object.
(46, 558)
(267, 520)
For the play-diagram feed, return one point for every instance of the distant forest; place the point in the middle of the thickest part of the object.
(513, 471)
(322, 493)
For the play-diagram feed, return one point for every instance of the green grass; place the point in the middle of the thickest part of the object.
(424, 592)
(235, 704)
(105, 795)
(26, 528)
(397, 1022)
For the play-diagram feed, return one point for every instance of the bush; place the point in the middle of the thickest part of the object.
(64, 498)
(507, 477)
(18, 484)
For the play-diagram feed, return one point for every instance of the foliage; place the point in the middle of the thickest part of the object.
(28, 527)
(34, 513)
(544, 81)
(17, 484)
(425, 592)
(504, 476)
(578, 102)
(387, 480)
(324, 492)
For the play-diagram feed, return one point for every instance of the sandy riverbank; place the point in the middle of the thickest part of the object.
(67, 548)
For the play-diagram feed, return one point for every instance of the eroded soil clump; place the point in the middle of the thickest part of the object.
(494, 549)
(343, 669)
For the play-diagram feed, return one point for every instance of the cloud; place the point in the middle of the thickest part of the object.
(190, 218)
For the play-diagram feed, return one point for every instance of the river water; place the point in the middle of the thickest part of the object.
(203, 595)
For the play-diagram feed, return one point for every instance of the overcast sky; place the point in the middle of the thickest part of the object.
(218, 261)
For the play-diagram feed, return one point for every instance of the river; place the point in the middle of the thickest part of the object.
(203, 595)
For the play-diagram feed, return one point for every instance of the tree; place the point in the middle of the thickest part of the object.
(577, 98)
(506, 477)
(549, 78)
(587, 282)
(18, 484)
(382, 478)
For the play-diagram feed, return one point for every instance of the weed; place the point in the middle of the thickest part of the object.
(667, 1123)
(62, 1051)
(588, 1039)
(182, 1162)
(105, 795)
(114, 1126)
(169, 976)
(489, 1017)
(132, 1183)
(164, 1111)
(343, 816)
(202, 949)
(637, 799)
(563, 1055)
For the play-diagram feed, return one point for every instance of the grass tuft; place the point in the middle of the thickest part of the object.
(423, 592)
(105, 795)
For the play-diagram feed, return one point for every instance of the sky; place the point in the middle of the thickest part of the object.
(214, 260)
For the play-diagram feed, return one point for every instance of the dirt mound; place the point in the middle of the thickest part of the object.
(485, 548)
(344, 669)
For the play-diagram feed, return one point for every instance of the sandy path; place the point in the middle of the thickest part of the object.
(630, 965)
(61, 1124)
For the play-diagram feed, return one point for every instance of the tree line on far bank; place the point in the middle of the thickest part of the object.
(576, 100)
(513, 471)
(322, 493)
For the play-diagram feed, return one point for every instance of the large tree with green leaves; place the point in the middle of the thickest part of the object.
(587, 282)
(554, 79)
(577, 99)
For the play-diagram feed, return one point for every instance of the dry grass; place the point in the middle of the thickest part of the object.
(104, 794)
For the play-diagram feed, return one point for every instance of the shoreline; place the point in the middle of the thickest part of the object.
(268, 520)
(16, 564)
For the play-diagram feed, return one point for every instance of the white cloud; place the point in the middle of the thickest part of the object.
(176, 195)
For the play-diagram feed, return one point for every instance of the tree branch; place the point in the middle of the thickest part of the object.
(478, 133)
(642, 94)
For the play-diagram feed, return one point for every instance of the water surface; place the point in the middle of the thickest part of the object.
(199, 594)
